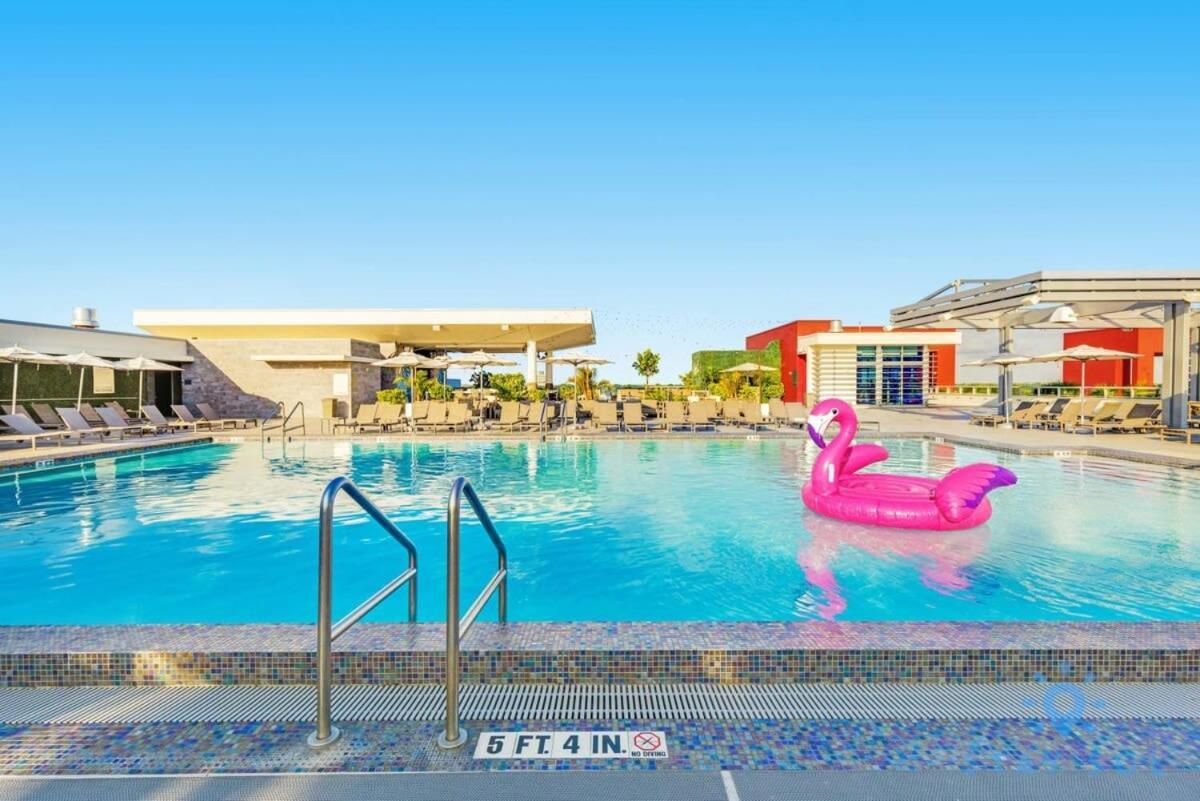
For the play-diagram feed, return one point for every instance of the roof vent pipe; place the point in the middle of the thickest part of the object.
(835, 326)
(84, 318)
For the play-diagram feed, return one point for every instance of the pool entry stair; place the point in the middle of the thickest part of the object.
(454, 735)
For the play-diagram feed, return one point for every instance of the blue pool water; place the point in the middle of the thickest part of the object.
(614, 530)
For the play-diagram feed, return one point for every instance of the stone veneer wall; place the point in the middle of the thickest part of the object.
(224, 375)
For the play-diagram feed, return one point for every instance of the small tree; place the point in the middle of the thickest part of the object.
(646, 364)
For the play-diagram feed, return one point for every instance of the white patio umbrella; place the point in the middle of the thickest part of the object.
(82, 360)
(576, 360)
(409, 360)
(1084, 354)
(752, 368)
(479, 359)
(1001, 360)
(16, 356)
(144, 365)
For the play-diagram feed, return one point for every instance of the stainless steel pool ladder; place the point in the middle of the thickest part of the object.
(454, 735)
(284, 426)
(327, 630)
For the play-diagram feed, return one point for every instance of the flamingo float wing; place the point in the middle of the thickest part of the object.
(964, 488)
(860, 456)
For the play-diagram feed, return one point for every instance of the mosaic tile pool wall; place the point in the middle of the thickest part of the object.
(622, 653)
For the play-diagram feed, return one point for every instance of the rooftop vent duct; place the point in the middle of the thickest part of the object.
(85, 318)
(835, 326)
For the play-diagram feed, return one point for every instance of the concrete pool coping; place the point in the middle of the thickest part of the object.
(620, 653)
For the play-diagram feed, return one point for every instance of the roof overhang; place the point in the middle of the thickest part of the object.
(854, 338)
(497, 330)
(1054, 299)
(57, 340)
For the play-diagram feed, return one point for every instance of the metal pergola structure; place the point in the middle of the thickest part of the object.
(1077, 300)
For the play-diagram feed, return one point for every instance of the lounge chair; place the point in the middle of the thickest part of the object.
(390, 416)
(1143, 417)
(604, 415)
(115, 423)
(77, 423)
(535, 416)
(675, 417)
(420, 410)
(1106, 413)
(633, 416)
(569, 412)
(797, 414)
(366, 417)
(17, 409)
(777, 411)
(152, 414)
(89, 413)
(185, 414)
(994, 416)
(1055, 409)
(731, 412)
(458, 417)
(120, 410)
(46, 417)
(703, 413)
(29, 431)
(207, 412)
(1029, 416)
(434, 417)
(1191, 429)
(510, 415)
(752, 415)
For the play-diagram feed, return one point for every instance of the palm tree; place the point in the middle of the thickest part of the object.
(646, 364)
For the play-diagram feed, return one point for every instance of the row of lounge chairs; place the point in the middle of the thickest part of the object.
(63, 425)
(1073, 415)
(426, 416)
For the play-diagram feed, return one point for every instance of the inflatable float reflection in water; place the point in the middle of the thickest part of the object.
(956, 501)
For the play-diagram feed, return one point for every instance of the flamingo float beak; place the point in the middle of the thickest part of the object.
(817, 423)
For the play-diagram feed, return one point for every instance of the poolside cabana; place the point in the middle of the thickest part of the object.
(1077, 300)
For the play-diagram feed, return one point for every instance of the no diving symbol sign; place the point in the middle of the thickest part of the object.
(647, 741)
(572, 745)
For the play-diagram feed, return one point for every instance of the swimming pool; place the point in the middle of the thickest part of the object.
(683, 529)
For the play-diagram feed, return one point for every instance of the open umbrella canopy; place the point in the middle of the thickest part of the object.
(999, 360)
(16, 355)
(751, 367)
(81, 360)
(1085, 353)
(479, 358)
(409, 359)
(143, 364)
(576, 359)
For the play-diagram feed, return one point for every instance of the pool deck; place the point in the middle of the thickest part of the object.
(948, 424)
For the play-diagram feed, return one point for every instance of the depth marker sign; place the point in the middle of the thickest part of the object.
(572, 745)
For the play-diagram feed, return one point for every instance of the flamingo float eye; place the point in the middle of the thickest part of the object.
(834, 412)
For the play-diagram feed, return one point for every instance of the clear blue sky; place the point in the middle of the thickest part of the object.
(691, 171)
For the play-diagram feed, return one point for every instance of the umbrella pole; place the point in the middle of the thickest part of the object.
(79, 399)
(141, 385)
(16, 372)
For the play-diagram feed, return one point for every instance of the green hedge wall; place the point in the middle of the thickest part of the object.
(58, 383)
(709, 362)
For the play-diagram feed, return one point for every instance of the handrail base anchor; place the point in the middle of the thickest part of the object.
(447, 745)
(316, 742)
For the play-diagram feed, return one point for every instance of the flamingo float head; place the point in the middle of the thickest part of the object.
(826, 412)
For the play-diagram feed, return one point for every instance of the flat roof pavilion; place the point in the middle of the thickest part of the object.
(1077, 299)
(496, 330)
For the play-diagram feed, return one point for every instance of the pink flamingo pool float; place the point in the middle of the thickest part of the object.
(956, 501)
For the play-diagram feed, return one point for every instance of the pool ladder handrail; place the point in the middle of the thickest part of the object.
(454, 735)
(283, 426)
(327, 630)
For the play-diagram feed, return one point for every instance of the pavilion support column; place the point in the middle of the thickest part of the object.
(1004, 387)
(1176, 343)
(531, 363)
(1194, 369)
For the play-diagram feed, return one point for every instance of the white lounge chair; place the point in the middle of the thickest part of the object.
(29, 431)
